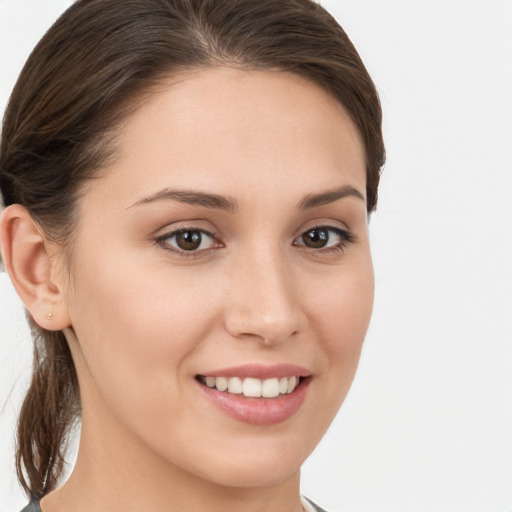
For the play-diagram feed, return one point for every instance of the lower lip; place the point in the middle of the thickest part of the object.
(258, 411)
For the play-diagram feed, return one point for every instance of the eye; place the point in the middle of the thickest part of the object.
(325, 237)
(189, 240)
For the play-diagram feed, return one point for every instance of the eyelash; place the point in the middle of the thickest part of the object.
(162, 240)
(346, 237)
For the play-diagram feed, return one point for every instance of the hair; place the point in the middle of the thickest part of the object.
(86, 75)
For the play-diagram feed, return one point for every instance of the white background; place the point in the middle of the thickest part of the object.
(428, 423)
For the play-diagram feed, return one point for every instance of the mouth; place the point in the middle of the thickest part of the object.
(256, 394)
(251, 387)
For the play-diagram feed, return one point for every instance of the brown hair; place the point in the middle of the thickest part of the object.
(84, 77)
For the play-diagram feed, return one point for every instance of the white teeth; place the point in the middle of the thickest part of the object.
(270, 388)
(235, 385)
(221, 383)
(292, 384)
(250, 387)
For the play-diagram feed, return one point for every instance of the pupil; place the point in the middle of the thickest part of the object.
(316, 238)
(188, 240)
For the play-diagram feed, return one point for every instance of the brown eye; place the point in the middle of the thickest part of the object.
(325, 237)
(188, 240)
(316, 238)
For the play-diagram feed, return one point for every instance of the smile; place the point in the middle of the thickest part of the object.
(255, 394)
(252, 387)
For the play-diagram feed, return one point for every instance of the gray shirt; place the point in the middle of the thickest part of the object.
(33, 506)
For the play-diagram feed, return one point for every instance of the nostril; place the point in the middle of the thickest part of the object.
(264, 306)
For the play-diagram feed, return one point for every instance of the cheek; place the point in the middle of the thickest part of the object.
(339, 309)
(136, 330)
(342, 315)
(343, 307)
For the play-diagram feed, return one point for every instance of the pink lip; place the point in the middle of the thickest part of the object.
(259, 411)
(260, 371)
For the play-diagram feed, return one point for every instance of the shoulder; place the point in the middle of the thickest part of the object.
(33, 506)
(309, 506)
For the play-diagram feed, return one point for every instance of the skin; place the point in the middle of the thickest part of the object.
(142, 320)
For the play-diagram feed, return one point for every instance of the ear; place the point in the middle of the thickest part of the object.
(29, 265)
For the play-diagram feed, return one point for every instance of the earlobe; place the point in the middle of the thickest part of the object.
(29, 266)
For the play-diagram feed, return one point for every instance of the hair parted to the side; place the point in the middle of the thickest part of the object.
(86, 75)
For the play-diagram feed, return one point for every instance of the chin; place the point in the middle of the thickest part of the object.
(243, 462)
(259, 462)
(268, 473)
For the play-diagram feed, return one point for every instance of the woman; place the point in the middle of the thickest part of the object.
(187, 186)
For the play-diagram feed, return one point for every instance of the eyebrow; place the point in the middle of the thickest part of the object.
(194, 198)
(218, 202)
(329, 196)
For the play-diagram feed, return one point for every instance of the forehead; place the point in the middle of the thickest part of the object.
(240, 129)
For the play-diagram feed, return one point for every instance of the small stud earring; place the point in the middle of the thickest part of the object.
(49, 316)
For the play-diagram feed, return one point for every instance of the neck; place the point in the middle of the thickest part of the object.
(117, 472)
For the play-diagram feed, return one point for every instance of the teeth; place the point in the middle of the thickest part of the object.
(270, 388)
(292, 383)
(250, 387)
(235, 385)
(221, 383)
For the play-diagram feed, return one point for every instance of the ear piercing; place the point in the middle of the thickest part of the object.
(49, 316)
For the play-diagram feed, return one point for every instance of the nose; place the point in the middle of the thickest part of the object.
(265, 302)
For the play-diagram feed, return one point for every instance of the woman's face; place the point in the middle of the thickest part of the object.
(226, 246)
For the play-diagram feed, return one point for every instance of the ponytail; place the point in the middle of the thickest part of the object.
(50, 407)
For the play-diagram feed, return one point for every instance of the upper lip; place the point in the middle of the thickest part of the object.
(257, 371)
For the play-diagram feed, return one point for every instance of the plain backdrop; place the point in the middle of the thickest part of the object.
(427, 425)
